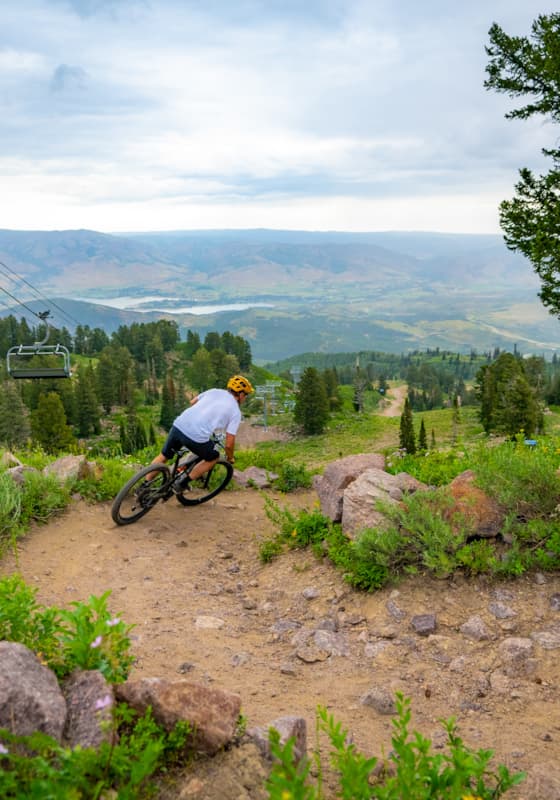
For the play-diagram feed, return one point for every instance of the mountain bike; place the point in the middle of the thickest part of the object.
(139, 495)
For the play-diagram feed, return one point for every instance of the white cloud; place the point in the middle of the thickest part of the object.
(357, 114)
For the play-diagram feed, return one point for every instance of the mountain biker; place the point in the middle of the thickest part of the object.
(209, 411)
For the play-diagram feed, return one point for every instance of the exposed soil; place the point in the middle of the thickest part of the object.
(180, 572)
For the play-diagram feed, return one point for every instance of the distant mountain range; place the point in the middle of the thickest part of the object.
(329, 292)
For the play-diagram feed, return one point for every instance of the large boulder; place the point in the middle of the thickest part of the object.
(72, 467)
(337, 476)
(483, 516)
(361, 496)
(31, 699)
(89, 700)
(213, 713)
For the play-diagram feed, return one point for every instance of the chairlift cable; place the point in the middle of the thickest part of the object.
(40, 294)
(21, 303)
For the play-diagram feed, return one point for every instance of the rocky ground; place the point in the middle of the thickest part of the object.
(291, 635)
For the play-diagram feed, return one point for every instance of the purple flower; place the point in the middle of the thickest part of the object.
(112, 622)
(3, 750)
(103, 702)
(96, 642)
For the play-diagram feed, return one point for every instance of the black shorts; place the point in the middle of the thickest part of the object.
(176, 440)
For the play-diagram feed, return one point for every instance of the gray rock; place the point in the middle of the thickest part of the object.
(90, 700)
(288, 727)
(337, 476)
(31, 699)
(380, 699)
(424, 624)
(475, 629)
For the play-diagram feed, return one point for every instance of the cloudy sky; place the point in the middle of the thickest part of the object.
(128, 115)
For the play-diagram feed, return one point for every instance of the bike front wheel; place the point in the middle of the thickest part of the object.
(138, 496)
(208, 485)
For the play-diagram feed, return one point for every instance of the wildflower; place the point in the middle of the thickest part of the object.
(286, 795)
(3, 750)
(294, 532)
(96, 642)
(103, 702)
(112, 622)
(470, 797)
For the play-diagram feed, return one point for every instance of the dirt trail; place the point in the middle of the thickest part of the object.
(394, 402)
(203, 604)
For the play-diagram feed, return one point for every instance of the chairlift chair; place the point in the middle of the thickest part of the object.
(18, 358)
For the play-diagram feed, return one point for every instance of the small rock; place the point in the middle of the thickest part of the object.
(423, 624)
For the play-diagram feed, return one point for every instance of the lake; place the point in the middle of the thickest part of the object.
(168, 304)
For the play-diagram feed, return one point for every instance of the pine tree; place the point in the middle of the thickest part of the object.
(508, 404)
(87, 405)
(312, 406)
(407, 439)
(15, 427)
(48, 424)
(168, 404)
(422, 438)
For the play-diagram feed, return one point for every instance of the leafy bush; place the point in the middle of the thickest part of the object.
(106, 485)
(522, 479)
(10, 511)
(411, 770)
(434, 468)
(122, 768)
(24, 620)
(292, 477)
(35, 500)
(42, 496)
(88, 636)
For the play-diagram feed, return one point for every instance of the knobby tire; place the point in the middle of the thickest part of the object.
(207, 486)
(134, 500)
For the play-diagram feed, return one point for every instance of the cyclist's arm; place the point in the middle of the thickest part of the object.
(230, 447)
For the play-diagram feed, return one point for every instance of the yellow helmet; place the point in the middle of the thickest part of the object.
(240, 384)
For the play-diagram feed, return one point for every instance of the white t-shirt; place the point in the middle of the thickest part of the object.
(215, 409)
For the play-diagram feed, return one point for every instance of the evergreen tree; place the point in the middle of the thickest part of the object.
(422, 438)
(520, 66)
(15, 427)
(192, 343)
(168, 403)
(407, 440)
(88, 418)
(202, 374)
(330, 379)
(49, 426)
(312, 406)
(508, 405)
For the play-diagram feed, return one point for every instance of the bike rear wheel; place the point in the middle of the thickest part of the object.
(208, 485)
(138, 496)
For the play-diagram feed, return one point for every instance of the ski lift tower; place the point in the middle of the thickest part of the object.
(295, 372)
(263, 392)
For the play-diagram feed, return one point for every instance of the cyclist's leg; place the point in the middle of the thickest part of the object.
(174, 442)
(207, 452)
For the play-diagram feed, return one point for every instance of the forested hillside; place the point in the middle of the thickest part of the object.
(126, 389)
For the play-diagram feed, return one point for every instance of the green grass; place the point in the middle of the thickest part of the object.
(350, 433)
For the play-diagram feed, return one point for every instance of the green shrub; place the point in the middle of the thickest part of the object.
(42, 496)
(24, 620)
(88, 636)
(433, 468)
(10, 511)
(292, 477)
(412, 769)
(106, 485)
(122, 768)
(521, 479)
